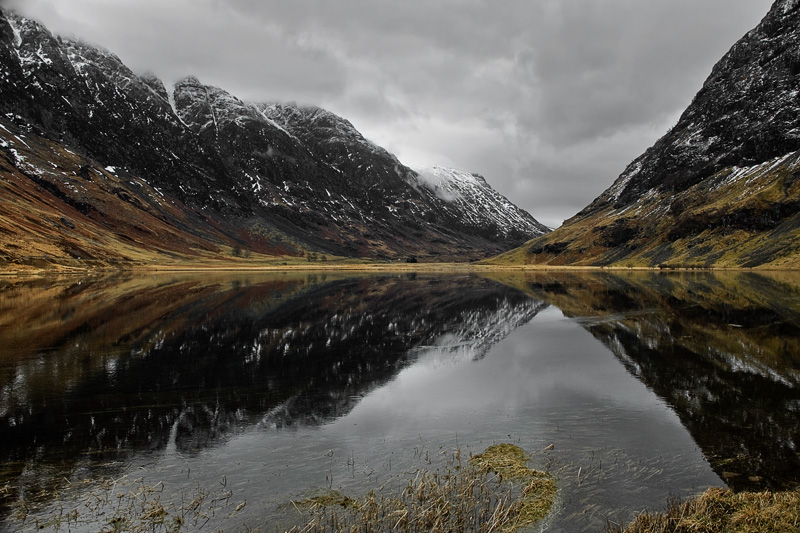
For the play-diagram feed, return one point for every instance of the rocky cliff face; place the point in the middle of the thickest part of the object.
(262, 175)
(719, 187)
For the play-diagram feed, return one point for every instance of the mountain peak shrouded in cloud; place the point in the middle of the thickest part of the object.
(549, 99)
(475, 197)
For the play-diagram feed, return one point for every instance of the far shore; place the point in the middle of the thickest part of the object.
(346, 265)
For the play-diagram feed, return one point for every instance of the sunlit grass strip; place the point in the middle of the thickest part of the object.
(723, 511)
(495, 492)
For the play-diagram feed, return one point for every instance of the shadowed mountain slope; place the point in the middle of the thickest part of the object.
(262, 178)
(720, 188)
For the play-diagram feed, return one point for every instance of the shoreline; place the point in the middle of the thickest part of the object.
(254, 267)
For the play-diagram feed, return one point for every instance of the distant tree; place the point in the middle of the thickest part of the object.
(412, 259)
(236, 252)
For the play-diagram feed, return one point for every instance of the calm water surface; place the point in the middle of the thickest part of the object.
(256, 390)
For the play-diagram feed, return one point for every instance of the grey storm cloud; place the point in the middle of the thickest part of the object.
(549, 99)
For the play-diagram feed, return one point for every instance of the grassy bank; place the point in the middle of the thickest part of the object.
(722, 511)
(42, 268)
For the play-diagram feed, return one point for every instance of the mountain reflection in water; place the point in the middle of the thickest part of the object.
(97, 372)
(114, 367)
(722, 349)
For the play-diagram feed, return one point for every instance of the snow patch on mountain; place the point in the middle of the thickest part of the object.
(13, 22)
(788, 5)
(477, 200)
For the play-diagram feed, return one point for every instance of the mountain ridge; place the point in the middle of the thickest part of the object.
(263, 176)
(719, 188)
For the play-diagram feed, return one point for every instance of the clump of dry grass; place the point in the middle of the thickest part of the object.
(494, 492)
(723, 511)
(328, 499)
(506, 460)
(539, 489)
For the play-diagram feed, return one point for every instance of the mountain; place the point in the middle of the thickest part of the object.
(720, 188)
(195, 173)
(478, 203)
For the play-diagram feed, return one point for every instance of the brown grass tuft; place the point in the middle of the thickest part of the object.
(723, 511)
(494, 492)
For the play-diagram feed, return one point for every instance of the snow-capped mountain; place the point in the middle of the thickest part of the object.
(719, 189)
(261, 177)
(478, 202)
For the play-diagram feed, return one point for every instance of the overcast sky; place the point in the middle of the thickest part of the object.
(548, 99)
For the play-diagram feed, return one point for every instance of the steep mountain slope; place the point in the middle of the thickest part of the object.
(58, 207)
(472, 197)
(263, 176)
(719, 188)
(459, 199)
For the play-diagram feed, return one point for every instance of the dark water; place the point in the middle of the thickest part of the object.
(246, 392)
